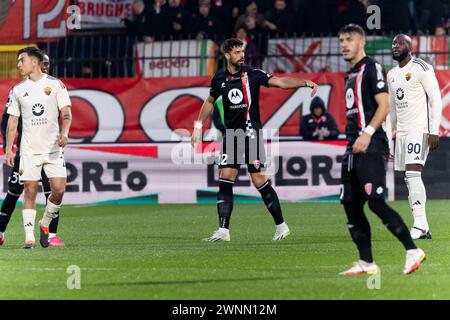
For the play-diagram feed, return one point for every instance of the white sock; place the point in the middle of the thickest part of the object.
(409, 191)
(51, 235)
(29, 216)
(225, 230)
(418, 198)
(50, 210)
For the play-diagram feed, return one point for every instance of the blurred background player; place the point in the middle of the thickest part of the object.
(39, 100)
(365, 159)
(15, 186)
(239, 86)
(319, 124)
(412, 88)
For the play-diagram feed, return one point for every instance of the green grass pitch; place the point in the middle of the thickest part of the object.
(156, 252)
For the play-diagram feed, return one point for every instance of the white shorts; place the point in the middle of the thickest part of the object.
(31, 166)
(410, 149)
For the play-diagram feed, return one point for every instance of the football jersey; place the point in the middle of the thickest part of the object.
(39, 104)
(362, 83)
(408, 87)
(240, 96)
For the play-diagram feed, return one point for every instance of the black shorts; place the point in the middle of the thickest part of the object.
(15, 186)
(363, 176)
(239, 148)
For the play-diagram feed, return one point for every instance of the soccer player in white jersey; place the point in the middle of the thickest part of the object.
(39, 100)
(416, 108)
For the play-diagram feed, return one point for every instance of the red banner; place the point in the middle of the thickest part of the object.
(146, 110)
(27, 21)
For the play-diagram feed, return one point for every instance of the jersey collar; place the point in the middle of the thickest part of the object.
(39, 81)
(358, 65)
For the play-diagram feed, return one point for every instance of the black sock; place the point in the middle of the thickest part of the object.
(359, 229)
(393, 222)
(271, 201)
(53, 227)
(8, 206)
(225, 202)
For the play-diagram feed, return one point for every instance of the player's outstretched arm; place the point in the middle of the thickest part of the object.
(66, 115)
(205, 112)
(292, 83)
(362, 143)
(11, 130)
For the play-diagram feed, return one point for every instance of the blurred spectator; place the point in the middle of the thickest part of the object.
(316, 17)
(255, 24)
(160, 18)
(431, 16)
(179, 18)
(350, 11)
(204, 25)
(440, 32)
(142, 25)
(319, 125)
(280, 18)
(395, 16)
(227, 12)
(252, 19)
(263, 5)
(252, 57)
(159, 6)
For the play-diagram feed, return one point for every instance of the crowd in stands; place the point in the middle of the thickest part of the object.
(166, 19)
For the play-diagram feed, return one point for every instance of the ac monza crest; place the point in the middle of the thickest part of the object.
(47, 90)
(368, 188)
(257, 164)
(408, 76)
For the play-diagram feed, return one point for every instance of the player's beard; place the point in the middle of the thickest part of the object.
(237, 64)
(401, 56)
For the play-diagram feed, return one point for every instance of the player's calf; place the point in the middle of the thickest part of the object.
(392, 220)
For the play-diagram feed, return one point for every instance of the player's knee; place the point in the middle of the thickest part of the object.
(31, 188)
(258, 180)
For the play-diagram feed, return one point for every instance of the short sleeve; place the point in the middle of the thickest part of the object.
(13, 104)
(214, 90)
(62, 97)
(261, 77)
(376, 78)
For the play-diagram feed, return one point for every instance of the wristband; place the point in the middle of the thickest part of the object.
(369, 130)
(198, 125)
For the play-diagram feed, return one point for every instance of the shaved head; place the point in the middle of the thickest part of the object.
(401, 47)
(405, 38)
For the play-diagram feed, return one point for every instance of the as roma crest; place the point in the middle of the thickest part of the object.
(47, 90)
(408, 76)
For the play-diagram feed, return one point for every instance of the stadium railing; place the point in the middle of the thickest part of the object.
(113, 54)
